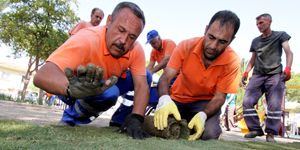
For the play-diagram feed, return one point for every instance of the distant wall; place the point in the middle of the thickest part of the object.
(10, 78)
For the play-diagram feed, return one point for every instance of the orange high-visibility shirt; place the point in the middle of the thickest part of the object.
(79, 26)
(89, 46)
(195, 82)
(167, 49)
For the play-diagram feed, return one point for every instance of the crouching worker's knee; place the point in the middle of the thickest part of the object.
(211, 133)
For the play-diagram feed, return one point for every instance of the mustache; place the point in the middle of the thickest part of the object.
(211, 49)
(120, 46)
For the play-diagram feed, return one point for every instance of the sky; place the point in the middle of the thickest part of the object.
(180, 20)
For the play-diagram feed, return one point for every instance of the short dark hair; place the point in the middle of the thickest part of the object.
(264, 15)
(133, 7)
(226, 16)
(94, 9)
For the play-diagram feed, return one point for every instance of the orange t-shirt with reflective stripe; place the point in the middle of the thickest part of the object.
(167, 49)
(79, 26)
(194, 81)
(89, 46)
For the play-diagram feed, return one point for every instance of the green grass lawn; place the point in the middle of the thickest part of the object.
(21, 135)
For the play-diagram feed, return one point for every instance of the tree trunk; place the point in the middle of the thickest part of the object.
(41, 92)
(41, 97)
(26, 79)
(25, 85)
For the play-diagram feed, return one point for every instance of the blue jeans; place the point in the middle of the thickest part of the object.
(83, 110)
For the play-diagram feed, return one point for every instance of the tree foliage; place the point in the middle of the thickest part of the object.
(241, 90)
(3, 4)
(293, 88)
(35, 28)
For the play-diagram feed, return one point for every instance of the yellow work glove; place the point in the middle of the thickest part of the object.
(197, 123)
(164, 108)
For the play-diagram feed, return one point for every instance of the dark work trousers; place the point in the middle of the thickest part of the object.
(120, 114)
(212, 124)
(273, 87)
(126, 106)
(83, 111)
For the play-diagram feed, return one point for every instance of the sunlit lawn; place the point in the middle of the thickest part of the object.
(21, 135)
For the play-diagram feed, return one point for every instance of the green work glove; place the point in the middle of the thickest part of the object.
(164, 108)
(197, 123)
(88, 81)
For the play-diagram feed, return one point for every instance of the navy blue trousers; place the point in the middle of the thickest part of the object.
(273, 87)
(83, 111)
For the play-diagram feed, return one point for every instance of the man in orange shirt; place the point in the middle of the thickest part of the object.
(114, 49)
(161, 52)
(96, 17)
(208, 69)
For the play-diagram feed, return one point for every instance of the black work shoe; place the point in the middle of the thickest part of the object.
(270, 138)
(63, 123)
(253, 134)
(114, 124)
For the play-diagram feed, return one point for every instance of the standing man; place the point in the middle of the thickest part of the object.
(96, 17)
(267, 77)
(114, 49)
(161, 52)
(208, 71)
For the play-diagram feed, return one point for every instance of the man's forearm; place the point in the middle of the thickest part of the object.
(51, 79)
(156, 69)
(161, 65)
(163, 85)
(214, 105)
(141, 98)
(289, 60)
(289, 54)
(150, 66)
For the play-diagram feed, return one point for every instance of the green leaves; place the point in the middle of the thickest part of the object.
(36, 27)
(293, 88)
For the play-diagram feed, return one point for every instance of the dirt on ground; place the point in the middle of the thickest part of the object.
(46, 115)
(40, 114)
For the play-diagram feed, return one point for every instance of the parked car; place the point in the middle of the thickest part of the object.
(32, 97)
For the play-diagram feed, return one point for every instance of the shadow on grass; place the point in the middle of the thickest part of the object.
(22, 135)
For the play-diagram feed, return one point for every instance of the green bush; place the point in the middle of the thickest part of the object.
(6, 97)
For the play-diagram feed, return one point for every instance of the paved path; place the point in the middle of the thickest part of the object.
(41, 115)
(44, 115)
